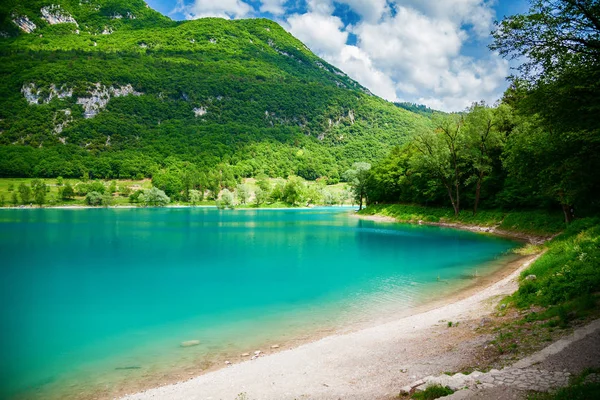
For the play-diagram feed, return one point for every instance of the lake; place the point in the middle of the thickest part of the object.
(94, 300)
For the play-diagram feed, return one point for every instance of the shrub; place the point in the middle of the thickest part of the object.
(93, 199)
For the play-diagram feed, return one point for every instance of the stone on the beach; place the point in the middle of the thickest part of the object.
(190, 343)
(257, 352)
(245, 354)
(275, 346)
(228, 362)
(484, 321)
(530, 278)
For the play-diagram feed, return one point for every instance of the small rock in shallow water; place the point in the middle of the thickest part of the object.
(275, 346)
(189, 343)
(245, 354)
(228, 362)
(257, 352)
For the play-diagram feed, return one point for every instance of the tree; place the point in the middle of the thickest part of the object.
(260, 196)
(2, 200)
(226, 200)
(553, 37)
(107, 199)
(358, 177)
(15, 199)
(93, 198)
(262, 181)
(67, 192)
(556, 95)
(440, 154)
(25, 193)
(294, 190)
(39, 191)
(243, 193)
(483, 134)
(196, 196)
(154, 197)
(59, 181)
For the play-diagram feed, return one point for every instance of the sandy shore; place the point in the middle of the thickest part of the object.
(370, 363)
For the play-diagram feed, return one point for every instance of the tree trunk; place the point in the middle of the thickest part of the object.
(477, 193)
(568, 211)
(454, 204)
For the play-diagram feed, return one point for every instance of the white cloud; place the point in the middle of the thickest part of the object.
(321, 33)
(274, 7)
(209, 8)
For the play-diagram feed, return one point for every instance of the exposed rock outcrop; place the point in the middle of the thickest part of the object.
(24, 23)
(35, 95)
(54, 14)
(100, 96)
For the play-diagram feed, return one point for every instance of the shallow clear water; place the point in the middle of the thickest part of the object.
(85, 295)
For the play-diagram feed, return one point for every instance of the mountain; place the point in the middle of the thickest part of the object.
(115, 89)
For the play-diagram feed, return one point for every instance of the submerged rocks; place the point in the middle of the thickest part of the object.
(190, 343)
(275, 346)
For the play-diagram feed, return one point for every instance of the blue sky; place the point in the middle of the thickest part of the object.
(432, 52)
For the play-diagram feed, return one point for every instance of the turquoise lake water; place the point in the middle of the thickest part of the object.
(97, 298)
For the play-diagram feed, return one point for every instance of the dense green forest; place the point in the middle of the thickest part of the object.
(112, 89)
(539, 147)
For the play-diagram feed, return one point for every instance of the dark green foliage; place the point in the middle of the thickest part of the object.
(433, 392)
(67, 192)
(264, 104)
(416, 108)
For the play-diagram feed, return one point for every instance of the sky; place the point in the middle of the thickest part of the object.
(431, 52)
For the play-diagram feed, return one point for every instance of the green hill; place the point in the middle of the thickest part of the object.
(115, 89)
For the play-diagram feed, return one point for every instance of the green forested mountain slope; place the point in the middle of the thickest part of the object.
(113, 88)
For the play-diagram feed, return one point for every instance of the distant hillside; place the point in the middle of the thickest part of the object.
(115, 89)
(417, 108)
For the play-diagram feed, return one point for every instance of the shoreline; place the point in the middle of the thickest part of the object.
(491, 230)
(403, 338)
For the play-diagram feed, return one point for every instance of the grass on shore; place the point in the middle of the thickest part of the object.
(535, 222)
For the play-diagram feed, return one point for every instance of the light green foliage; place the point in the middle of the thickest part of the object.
(358, 178)
(227, 200)
(196, 196)
(260, 196)
(112, 187)
(277, 192)
(93, 198)
(11, 187)
(25, 193)
(294, 191)
(59, 181)
(243, 193)
(38, 187)
(107, 199)
(262, 181)
(154, 197)
(136, 196)
(14, 199)
(124, 190)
